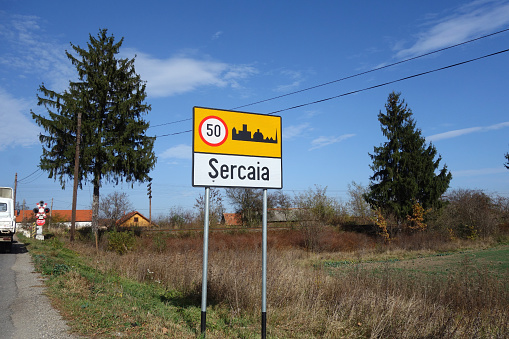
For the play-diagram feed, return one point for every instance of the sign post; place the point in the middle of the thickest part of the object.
(205, 262)
(264, 266)
(236, 149)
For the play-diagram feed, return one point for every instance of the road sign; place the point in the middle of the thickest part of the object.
(40, 222)
(236, 149)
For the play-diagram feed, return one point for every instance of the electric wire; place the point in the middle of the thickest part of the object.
(169, 123)
(345, 78)
(20, 180)
(371, 87)
(390, 82)
(374, 69)
(31, 181)
(166, 135)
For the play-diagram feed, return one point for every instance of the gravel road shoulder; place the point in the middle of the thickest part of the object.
(32, 313)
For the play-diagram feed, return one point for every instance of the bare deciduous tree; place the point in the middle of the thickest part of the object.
(216, 207)
(114, 206)
(357, 205)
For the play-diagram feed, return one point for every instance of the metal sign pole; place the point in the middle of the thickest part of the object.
(264, 266)
(205, 262)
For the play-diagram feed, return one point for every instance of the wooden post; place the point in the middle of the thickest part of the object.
(76, 174)
(15, 188)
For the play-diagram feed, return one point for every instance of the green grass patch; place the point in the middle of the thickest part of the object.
(494, 259)
(107, 305)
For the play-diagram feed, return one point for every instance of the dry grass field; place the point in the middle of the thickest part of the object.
(352, 286)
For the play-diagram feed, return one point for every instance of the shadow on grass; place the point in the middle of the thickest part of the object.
(182, 300)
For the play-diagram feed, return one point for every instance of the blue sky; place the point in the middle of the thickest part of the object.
(228, 54)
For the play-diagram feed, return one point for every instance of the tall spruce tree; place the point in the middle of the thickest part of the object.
(110, 96)
(404, 166)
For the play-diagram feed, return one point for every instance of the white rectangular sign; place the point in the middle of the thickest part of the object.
(220, 170)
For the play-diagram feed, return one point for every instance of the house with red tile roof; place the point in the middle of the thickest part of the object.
(61, 217)
(274, 215)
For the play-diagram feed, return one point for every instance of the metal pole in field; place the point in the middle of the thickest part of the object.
(264, 266)
(205, 262)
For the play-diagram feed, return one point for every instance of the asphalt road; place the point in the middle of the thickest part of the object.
(25, 312)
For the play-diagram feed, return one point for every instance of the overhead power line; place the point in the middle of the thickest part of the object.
(28, 176)
(169, 123)
(167, 135)
(375, 69)
(345, 78)
(391, 82)
(373, 87)
(31, 181)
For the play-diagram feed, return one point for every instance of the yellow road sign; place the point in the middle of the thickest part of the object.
(227, 132)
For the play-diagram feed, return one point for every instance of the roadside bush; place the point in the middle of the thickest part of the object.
(469, 214)
(178, 218)
(121, 242)
(315, 205)
(315, 211)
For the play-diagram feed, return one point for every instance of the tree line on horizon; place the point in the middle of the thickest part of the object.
(405, 190)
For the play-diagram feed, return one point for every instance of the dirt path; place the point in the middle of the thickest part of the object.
(31, 312)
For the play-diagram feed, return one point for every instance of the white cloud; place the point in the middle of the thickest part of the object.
(296, 78)
(479, 172)
(497, 126)
(30, 52)
(177, 75)
(17, 128)
(294, 131)
(217, 35)
(325, 141)
(460, 132)
(310, 114)
(181, 151)
(470, 21)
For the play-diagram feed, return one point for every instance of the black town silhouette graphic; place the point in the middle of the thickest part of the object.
(245, 135)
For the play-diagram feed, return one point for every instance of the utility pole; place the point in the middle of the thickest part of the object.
(149, 193)
(76, 174)
(51, 213)
(15, 188)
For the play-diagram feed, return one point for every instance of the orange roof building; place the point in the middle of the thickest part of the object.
(83, 217)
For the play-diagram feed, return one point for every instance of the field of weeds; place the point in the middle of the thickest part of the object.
(351, 286)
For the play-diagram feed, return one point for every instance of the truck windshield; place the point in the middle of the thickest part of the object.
(3, 207)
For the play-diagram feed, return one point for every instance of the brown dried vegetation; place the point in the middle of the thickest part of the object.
(308, 297)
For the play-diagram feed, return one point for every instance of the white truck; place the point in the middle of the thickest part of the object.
(7, 216)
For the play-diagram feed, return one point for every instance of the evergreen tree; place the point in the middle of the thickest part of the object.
(110, 97)
(404, 166)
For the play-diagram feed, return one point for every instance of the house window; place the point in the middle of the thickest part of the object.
(135, 219)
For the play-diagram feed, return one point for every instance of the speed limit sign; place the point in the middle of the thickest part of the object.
(236, 149)
(213, 131)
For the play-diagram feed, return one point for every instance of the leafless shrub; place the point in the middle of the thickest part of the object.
(178, 218)
(468, 214)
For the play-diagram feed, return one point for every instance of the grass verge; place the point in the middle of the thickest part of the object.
(103, 304)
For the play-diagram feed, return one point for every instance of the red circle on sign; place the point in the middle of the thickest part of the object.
(221, 139)
(40, 222)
